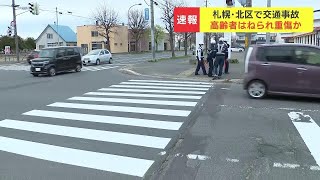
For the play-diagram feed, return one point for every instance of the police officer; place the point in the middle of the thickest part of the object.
(211, 55)
(220, 58)
(200, 58)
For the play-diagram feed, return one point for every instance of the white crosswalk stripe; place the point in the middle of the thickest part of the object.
(23, 67)
(111, 117)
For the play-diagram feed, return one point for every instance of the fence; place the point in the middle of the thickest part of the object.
(13, 57)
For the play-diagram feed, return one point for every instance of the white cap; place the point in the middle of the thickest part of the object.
(221, 39)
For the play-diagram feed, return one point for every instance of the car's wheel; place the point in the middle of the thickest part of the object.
(257, 89)
(52, 71)
(98, 62)
(240, 50)
(110, 61)
(35, 75)
(78, 68)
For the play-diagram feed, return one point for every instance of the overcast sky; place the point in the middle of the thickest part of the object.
(31, 26)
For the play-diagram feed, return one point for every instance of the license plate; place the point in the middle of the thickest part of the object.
(38, 69)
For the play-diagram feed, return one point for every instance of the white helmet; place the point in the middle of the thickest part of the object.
(221, 39)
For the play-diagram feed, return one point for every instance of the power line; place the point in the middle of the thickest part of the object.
(67, 13)
(146, 2)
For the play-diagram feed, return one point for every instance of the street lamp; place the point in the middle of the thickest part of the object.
(139, 4)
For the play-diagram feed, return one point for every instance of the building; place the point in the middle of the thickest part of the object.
(312, 38)
(144, 43)
(256, 38)
(54, 35)
(89, 38)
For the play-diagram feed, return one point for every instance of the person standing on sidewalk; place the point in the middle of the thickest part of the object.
(226, 63)
(220, 58)
(211, 55)
(200, 58)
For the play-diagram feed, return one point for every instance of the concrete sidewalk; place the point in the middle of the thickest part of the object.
(181, 68)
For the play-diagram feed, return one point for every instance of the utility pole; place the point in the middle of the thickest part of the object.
(15, 29)
(268, 34)
(248, 35)
(57, 26)
(152, 31)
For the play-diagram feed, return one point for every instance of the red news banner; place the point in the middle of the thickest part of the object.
(195, 19)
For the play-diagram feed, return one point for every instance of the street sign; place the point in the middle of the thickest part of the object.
(146, 14)
(7, 50)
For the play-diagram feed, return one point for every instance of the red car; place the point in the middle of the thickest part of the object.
(32, 55)
(282, 69)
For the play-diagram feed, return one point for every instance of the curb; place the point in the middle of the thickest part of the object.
(126, 70)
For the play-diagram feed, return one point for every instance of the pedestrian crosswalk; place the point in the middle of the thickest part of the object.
(24, 67)
(133, 121)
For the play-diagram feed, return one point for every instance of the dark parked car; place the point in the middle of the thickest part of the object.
(56, 59)
(283, 69)
(32, 55)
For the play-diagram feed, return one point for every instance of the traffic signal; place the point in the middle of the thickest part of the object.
(9, 31)
(230, 2)
(34, 8)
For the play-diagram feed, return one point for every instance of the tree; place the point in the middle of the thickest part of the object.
(9, 41)
(159, 34)
(29, 43)
(106, 19)
(179, 37)
(186, 37)
(138, 25)
(168, 19)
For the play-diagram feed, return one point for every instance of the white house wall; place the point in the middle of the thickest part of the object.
(43, 40)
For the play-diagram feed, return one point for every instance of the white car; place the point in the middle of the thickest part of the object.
(97, 57)
(237, 49)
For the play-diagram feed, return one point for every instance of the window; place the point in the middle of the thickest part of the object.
(49, 36)
(308, 55)
(94, 34)
(120, 44)
(41, 46)
(101, 53)
(70, 52)
(106, 51)
(281, 54)
(51, 44)
(150, 46)
(96, 46)
(116, 44)
(61, 53)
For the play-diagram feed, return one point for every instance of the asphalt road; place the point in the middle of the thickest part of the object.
(233, 137)
(118, 60)
(67, 127)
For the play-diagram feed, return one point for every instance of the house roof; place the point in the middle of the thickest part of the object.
(65, 32)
